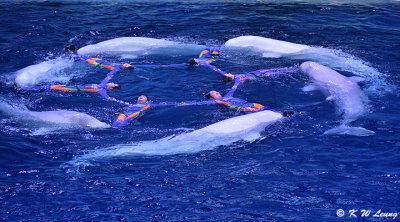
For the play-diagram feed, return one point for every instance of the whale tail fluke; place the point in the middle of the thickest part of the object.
(349, 130)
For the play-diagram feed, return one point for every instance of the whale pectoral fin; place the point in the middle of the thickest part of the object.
(357, 79)
(309, 88)
(349, 130)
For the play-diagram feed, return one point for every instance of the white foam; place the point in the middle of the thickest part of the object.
(131, 47)
(332, 58)
(349, 130)
(47, 71)
(246, 127)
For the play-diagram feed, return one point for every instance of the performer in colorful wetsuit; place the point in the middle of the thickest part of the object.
(207, 56)
(241, 105)
(136, 110)
(238, 104)
(97, 88)
(229, 77)
(97, 61)
(102, 63)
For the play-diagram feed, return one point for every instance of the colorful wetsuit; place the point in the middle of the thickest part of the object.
(97, 88)
(207, 55)
(258, 73)
(238, 104)
(98, 62)
(134, 111)
(205, 58)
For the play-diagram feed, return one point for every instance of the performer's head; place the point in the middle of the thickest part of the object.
(213, 95)
(127, 66)
(142, 99)
(193, 62)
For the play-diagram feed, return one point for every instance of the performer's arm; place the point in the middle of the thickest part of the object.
(214, 68)
(277, 71)
(63, 88)
(109, 77)
(98, 62)
(160, 66)
(116, 100)
(234, 88)
(124, 119)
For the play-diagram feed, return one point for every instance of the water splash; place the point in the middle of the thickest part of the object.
(47, 71)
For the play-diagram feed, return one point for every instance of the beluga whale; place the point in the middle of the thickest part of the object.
(61, 118)
(240, 128)
(132, 47)
(333, 58)
(349, 99)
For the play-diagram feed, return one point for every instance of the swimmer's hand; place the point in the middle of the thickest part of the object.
(229, 77)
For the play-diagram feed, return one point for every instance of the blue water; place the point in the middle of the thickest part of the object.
(293, 173)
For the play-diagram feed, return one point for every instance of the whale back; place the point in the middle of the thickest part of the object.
(243, 123)
(123, 44)
(131, 47)
(266, 45)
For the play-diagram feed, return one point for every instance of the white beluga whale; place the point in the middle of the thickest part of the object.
(59, 118)
(350, 100)
(68, 117)
(131, 47)
(47, 71)
(127, 47)
(269, 47)
(245, 127)
(336, 59)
